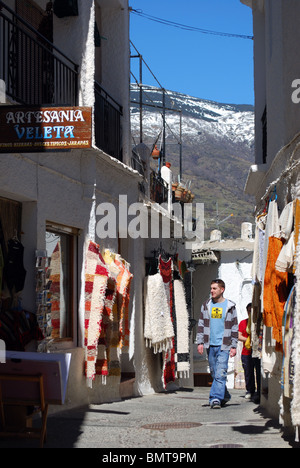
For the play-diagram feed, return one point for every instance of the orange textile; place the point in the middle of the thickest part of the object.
(275, 290)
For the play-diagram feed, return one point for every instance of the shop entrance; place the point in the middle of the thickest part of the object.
(18, 327)
(11, 274)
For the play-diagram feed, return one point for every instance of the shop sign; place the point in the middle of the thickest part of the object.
(35, 129)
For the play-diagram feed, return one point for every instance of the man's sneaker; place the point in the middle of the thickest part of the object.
(248, 396)
(215, 404)
(226, 400)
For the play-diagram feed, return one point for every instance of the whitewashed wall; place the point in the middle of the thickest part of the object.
(234, 269)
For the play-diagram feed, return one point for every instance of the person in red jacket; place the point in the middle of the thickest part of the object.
(247, 361)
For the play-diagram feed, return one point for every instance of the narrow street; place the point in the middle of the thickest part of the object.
(179, 420)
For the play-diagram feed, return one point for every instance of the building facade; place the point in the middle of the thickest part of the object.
(274, 180)
(231, 260)
(65, 72)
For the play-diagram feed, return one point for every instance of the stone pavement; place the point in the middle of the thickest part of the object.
(178, 420)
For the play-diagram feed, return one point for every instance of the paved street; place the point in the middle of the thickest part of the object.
(180, 420)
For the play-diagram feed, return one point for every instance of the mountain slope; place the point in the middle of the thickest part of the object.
(217, 150)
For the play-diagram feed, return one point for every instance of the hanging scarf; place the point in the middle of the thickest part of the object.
(182, 356)
(103, 344)
(96, 278)
(166, 271)
(275, 292)
(124, 290)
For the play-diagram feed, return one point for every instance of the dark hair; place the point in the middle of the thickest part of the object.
(220, 282)
(249, 305)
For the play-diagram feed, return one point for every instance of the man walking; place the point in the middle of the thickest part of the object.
(218, 334)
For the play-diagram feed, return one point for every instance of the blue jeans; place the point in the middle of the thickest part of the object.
(218, 363)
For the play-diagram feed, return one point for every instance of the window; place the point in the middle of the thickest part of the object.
(61, 246)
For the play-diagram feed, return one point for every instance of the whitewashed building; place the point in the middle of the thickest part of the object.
(274, 180)
(231, 261)
(64, 73)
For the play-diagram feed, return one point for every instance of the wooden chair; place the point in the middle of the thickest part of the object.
(40, 404)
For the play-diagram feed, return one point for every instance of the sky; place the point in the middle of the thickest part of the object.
(207, 66)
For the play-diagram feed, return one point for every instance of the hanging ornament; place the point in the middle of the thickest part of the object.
(155, 153)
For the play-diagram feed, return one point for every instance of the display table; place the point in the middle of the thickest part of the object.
(40, 405)
(31, 380)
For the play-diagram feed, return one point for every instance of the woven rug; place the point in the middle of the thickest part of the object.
(103, 344)
(124, 279)
(166, 271)
(108, 362)
(113, 329)
(158, 326)
(96, 279)
(55, 291)
(182, 355)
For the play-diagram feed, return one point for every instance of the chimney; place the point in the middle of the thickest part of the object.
(167, 175)
(246, 231)
(215, 235)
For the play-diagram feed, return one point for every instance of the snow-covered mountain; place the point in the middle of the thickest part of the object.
(217, 149)
(235, 122)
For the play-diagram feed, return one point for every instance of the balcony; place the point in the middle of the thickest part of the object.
(35, 72)
(108, 115)
(158, 188)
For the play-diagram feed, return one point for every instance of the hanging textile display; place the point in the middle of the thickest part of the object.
(96, 278)
(43, 294)
(124, 294)
(55, 291)
(275, 300)
(182, 357)
(295, 404)
(259, 240)
(158, 327)
(113, 331)
(166, 271)
(182, 268)
(287, 374)
(167, 321)
(296, 228)
(275, 291)
(256, 322)
(285, 258)
(103, 344)
(107, 290)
